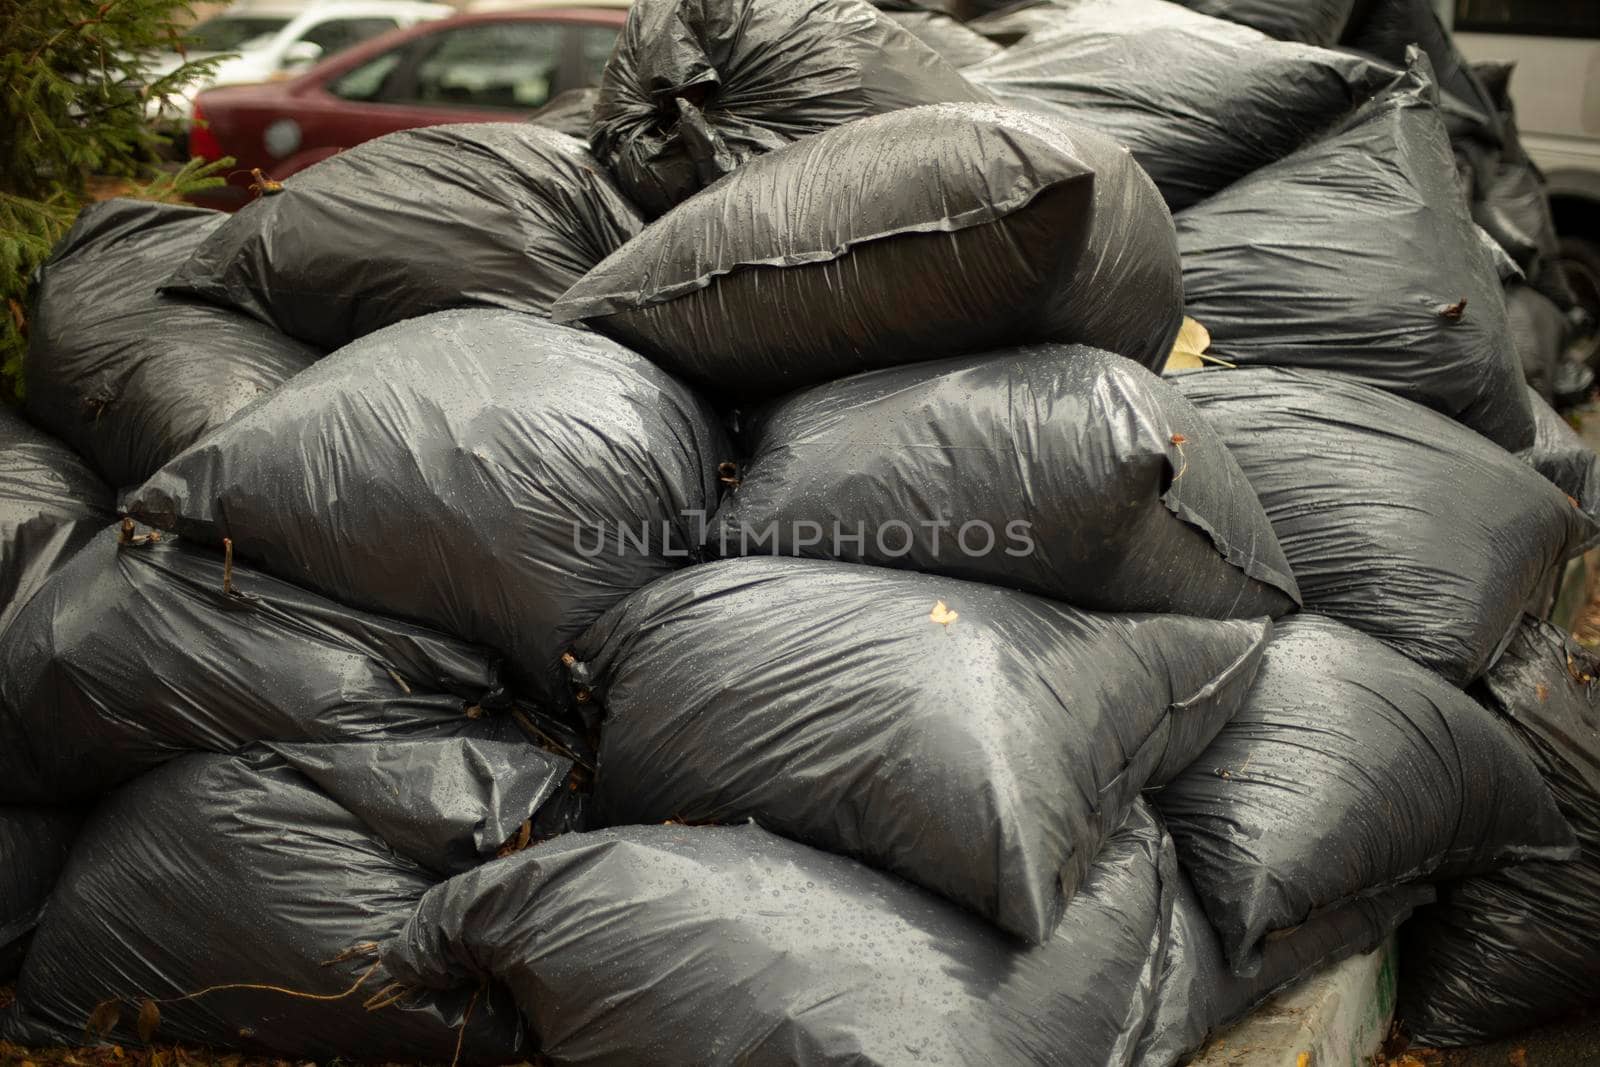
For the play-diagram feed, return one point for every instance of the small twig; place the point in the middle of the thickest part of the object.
(227, 566)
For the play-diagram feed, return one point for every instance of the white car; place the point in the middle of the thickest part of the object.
(269, 40)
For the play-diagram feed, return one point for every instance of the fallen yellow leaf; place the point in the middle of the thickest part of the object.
(942, 615)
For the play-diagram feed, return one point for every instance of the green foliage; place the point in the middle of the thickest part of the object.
(76, 91)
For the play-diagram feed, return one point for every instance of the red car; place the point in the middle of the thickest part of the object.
(487, 67)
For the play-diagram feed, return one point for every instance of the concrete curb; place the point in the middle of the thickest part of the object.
(1335, 1018)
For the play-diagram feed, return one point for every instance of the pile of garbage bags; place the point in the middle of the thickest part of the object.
(913, 540)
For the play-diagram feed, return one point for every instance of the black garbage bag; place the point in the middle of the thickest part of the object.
(1348, 770)
(1199, 994)
(127, 376)
(965, 227)
(1158, 89)
(1513, 950)
(33, 847)
(697, 88)
(956, 45)
(51, 504)
(485, 472)
(136, 653)
(569, 112)
(1017, 22)
(1539, 331)
(1389, 28)
(241, 872)
(494, 214)
(1356, 254)
(1317, 22)
(798, 956)
(1565, 458)
(1060, 470)
(1394, 519)
(977, 741)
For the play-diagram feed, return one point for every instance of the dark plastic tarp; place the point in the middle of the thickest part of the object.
(1349, 770)
(930, 232)
(51, 504)
(1357, 254)
(1159, 90)
(239, 870)
(1318, 22)
(128, 377)
(978, 741)
(134, 654)
(697, 88)
(1510, 951)
(1394, 519)
(730, 945)
(1061, 470)
(485, 472)
(484, 214)
(33, 849)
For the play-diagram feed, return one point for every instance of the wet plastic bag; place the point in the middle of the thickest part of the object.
(241, 872)
(1565, 458)
(798, 956)
(1513, 950)
(1317, 22)
(1394, 519)
(1389, 28)
(1060, 470)
(126, 376)
(977, 741)
(697, 88)
(484, 472)
(51, 504)
(1017, 22)
(1156, 88)
(964, 228)
(957, 45)
(1348, 770)
(1357, 254)
(495, 214)
(1539, 331)
(136, 653)
(33, 847)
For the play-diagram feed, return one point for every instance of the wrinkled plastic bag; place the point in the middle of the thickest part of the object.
(34, 844)
(697, 88)
(1565, 458)
(1388, 29)
(1158, 90)
(977, 741)
(1349, 770)
(240, 872)
(798, 956)
(51, 504)
(1017, 22)
(1510, 951)
(1539, 332)
(129, 377)
(569, 112)
(956, 45)
(135, 653)
(1356, 254)
(487, 473)
(494, 214)
(1199, 995)
(1394, 519)
(1061, 470)
(1317, 22)
(965, 228)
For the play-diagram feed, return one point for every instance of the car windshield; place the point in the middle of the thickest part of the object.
(228, 33)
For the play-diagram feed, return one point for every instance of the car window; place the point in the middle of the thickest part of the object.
(502, 64)
(1555, 18)
(335, 35)
(595, 44)
(367, 82)
(227, 33)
